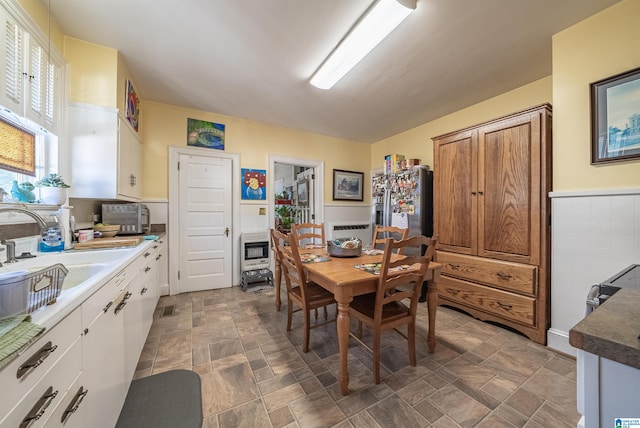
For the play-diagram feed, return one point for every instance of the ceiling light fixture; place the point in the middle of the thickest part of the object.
(379, 20)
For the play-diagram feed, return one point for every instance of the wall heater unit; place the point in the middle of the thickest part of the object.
(337, 230)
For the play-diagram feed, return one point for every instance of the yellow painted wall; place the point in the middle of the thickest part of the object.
(601, 46)
(164, 125)
(417, 143)
(93, 72)
(40, 15)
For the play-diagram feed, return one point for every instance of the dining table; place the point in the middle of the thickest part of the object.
(340, 276)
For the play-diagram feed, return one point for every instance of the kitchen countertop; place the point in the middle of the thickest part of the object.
(612, 331)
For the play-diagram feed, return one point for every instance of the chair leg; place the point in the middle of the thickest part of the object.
(411, 339)
(359, 329)
(307, 322)
(316, 313)
(326, 313)
(289, 314)
(376, 357)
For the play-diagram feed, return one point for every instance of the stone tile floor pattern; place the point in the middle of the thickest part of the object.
(254, 373)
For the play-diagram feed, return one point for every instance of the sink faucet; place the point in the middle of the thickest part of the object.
(11, 254)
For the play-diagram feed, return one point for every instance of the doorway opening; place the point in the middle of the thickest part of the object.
(298, 189)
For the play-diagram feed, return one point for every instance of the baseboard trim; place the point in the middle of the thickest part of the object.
(559, 341)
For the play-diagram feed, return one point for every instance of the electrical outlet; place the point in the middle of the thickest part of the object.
(262, 211)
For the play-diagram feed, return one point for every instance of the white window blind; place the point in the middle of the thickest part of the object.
(49, 110)
(36, 78)
(14, 64)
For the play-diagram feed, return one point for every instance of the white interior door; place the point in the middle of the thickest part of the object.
(306, 213)
(205, 217)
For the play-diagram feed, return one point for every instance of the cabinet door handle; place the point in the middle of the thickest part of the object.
(144, 290)
(473, 193)
(454, 267)
(106, 308)
(503, 276)
(123, 303)
(505, 306)
(453, 291)
(147, 254)
(147, 269)
(39, 408)
(75, 403)
(158, 257)
(36, 359)
(480, 192)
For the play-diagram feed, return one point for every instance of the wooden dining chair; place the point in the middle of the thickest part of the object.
(309, 234)
(305, 294)
(384, 309)
(380, 235)
(276, 238)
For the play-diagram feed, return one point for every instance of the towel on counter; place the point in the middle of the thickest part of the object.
(16, 333)
(150, 237)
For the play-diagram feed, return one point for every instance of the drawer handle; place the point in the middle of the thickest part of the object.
(144, 290)
(158, 257)
(505, 306)
(147, 269)
(106, 308)
(503, 276)
(147, 254)
(122, 304)
(39, 408)
(155, 246)
(453, 291)
(454, 267)
(75, 403)
(36, 359)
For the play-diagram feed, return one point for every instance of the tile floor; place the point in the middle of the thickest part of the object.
(254, 374)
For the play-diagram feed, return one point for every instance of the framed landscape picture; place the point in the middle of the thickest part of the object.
(347, 185)
(615, 118)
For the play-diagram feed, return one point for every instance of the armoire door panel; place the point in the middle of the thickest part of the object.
(456, 201)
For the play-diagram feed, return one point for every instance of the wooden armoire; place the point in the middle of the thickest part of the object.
(492, 217)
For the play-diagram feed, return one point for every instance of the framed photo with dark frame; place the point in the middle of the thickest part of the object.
(615, 118)
(347, 185)
(303, 193)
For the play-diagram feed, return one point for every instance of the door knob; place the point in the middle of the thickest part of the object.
(226, 231)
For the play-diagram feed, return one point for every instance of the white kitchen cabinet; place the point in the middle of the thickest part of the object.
(106, 154)
(163, 268)
(607, 390)
(71, 412)
(34, 384)
(103, 349)
(33, 70)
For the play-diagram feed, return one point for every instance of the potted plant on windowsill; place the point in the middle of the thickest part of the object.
(53, 189)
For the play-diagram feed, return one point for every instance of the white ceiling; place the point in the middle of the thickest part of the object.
(252, 59)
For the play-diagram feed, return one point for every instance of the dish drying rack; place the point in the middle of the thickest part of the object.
(44, 286)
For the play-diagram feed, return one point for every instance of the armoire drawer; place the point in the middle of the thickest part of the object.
(506, 275)
(497, 302)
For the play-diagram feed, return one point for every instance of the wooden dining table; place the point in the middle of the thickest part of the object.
(345, 281)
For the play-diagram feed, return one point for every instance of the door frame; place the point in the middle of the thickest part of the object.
(318, 184)
(174, 218)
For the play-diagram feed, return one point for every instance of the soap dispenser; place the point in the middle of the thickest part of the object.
(52, 237)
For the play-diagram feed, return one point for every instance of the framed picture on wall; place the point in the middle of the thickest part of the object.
(303, 193)
(615, 118)
(347, 185)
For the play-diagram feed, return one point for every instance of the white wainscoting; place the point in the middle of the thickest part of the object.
(595, 234)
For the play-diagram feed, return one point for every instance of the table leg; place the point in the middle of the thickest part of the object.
(432, 307)
(277, 281)
(342, 323)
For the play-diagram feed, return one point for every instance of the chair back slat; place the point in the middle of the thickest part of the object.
(380, 235)
(309, 233)
(294, 272)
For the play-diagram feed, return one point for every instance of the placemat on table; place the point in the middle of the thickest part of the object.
(313, 258)
(375, 268)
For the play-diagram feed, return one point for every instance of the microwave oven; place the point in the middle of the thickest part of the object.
(132, 218)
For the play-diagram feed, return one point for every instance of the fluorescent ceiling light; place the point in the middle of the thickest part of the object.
(373, 26)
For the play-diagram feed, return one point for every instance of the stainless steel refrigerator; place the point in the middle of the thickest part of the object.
(405, 200)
